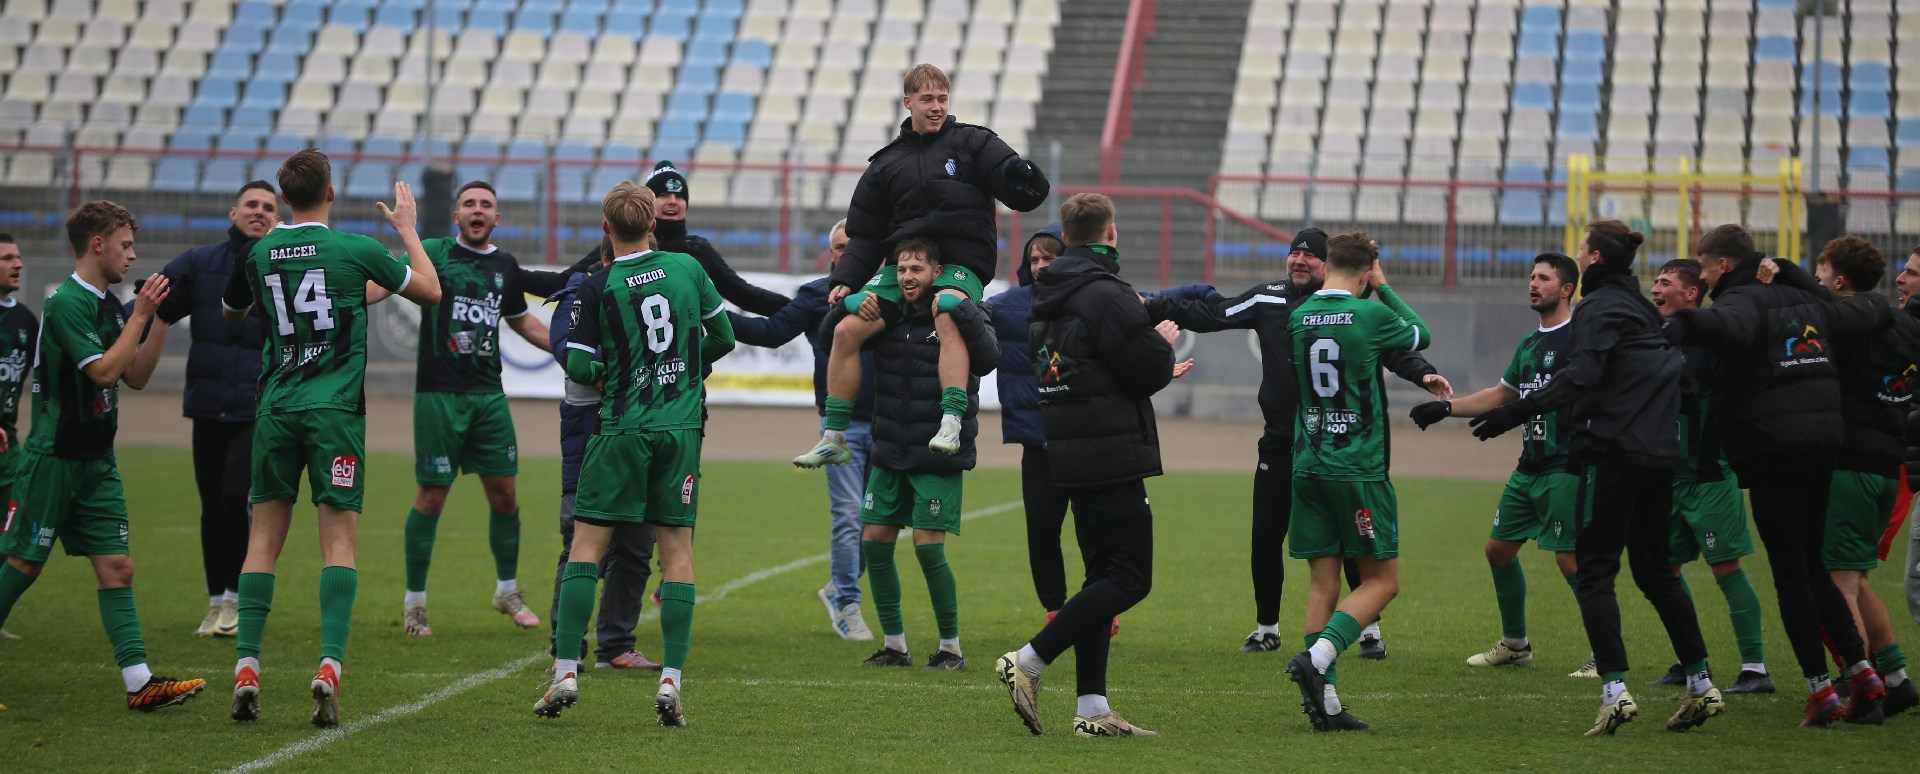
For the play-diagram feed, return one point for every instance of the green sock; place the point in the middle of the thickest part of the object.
(1889, 659)
(13, 583)
(1608, 677)
(503, 536)
(1510, 590)
(419, 547)
(1744, 605)
(256, 599)
(676, 623)
(953, 401)
(941, 585)
(337, 588)
(886, 585)
(839, 413)
(1694, 667)
(1342, 631)
(122, 622)
(577, 585)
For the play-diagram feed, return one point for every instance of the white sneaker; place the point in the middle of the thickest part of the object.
(666, 704)
(229, 624)
(847, 621)
(1501, 655)
(823, 454)
(208, 624)
(947, 441)
(1589, 670)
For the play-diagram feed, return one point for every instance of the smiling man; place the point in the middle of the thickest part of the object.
(460, 418)
(19, 335)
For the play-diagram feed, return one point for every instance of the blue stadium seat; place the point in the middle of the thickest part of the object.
(697, 80)
(206, 118)
(1908, 181)
(755, 53)
(475, 148)
(686, 106)
(571, 181)
(711, 53)
(1782, 4)
(518, 183)
(492, 20)
(732, 106)
(229, 60)
(676, 27)
(604, 179)
(733, 133)
(286, 41)
(545, 5)
(1578, 125)
(713, 29)
(1582, 71)
(175, 175)
(1829, 75)
(233, 140)
(678, 129)
(580, 20)
(1538, 44)
(1774, 47)
(278, 68)
(356, 15)
(332, 144)
(383, 146)
(253, 15)
(527, 149)
(1514, 255)
(1867, 157)
(1473, 255)
(1521, 208)
(1533, 94)
(1419, 254)
(672, 148)
(631, 22)
(1232, 250)
(677, 10)
(300, 16)
(448, 18)
(604, 6)
(394, 16)
(267, 169)
(1525, 172)
(1870, 76)
(535, 20)
(622, 153)
(225, 175)
(254, 120)
(1541, 18)
(265, 94)
(281, 145)
(369, 180)
(248, 39)
(1588, 46)
(1580, 97)
(732, 9)
(1869, 104)
(1908, 134)
(442, 148)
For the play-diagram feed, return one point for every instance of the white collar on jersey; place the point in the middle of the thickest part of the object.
(9, 302)
(631, 256)
(1563, 324)
(490, 248)
(1332, 292)
(301, 225)
(83, 283)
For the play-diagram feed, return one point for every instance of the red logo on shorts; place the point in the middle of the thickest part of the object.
(1363, 522)
(12, 508)
(686, 490)
(343, 470)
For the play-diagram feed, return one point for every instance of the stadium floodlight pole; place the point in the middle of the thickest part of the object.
(1819, 38)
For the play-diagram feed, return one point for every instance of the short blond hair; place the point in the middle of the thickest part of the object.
(1084, 218)
(924, 76)
(628, 209)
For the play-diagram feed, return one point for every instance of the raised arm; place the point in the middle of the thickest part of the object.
(116, 362)
(1210, 313)
(424, 286)
(731, 285)
(797, 317)
(1138, 355)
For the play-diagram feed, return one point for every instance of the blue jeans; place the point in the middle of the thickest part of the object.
(846, 485)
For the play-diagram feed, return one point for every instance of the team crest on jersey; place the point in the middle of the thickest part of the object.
(345, 467)
(686, 490)
(461, 343)
(1710, 539)
(933, 509)
(1546, 360)
(952, 168)
(1311, 421)
(1363, 522)
(960, 275)
(498, 281)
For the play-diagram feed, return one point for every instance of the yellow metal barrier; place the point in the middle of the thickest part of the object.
(1689, 184)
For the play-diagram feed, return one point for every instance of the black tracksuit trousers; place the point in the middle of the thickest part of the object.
(1119, 551)
(1790, 513)
(1624, 506)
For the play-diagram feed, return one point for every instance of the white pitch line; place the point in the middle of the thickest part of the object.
(456, 688)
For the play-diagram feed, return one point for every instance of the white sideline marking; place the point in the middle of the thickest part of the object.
(458, 687)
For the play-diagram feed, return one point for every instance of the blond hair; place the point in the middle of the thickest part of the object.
(1084, 218)
(628, 209)
(924, 76)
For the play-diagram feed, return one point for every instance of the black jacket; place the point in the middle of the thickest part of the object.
(1878, 374)
(1099, 360)
(802, 317)
(1620, 385)
(1265, 309)
(223, 361)
(672, 237)
(906, 407)
(1776, 388)
(940, 186)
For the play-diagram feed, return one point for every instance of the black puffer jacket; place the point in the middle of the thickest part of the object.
(672, 236)
(1878, 375)
(1099, 361)
(906, 406)
(940, 186)
(1776, 388)
(223, 363)
(1620, 385)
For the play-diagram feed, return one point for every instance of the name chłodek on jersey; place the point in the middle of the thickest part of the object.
(1335, 318)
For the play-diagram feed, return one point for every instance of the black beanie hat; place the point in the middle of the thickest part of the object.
(666, 179)
(1312, 240)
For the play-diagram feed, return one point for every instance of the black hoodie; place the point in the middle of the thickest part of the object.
(1620, 385)
(1099, 360)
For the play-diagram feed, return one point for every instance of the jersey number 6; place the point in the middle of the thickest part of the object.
(1323, 359)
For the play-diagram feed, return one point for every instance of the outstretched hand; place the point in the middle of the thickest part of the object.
(1428, 414)
(1168, 330)
(405, 213)
(1181, 368)
(1438, 385)
(1498, 421)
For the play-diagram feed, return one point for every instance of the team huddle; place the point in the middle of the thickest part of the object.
(1641, 418)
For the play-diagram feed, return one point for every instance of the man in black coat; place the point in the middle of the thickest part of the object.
(1264, 309)
(670, 232)
(1620, 389)
(937, 180)
(1099, 360)
(1777, 403)
(223, 369)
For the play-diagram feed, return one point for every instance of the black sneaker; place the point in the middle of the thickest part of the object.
(1261, 642)
(1750, 682)
(1313, 689)
(1900, 699)
(888, 657)
(941, 660)
(1674, 676)
(1344, 721)
(1372, 649)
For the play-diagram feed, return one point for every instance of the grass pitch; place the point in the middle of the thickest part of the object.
(768, 687)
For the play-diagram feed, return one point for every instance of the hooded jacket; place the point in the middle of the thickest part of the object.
(223, 362)
(1098, 361)
(1264, 309)
(1620, 385)
(802, 317)
(672, 236)
(906, 407)
(939, 186)
(1776, 388)
(1878, 374)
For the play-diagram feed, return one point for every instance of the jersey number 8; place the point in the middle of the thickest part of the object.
(1323, 360)
(310, 298)
(658, 315)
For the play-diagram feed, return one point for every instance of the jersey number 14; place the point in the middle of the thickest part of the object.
(309, 299)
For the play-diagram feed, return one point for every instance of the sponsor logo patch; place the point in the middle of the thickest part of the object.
(1363, 522)
(686, 490)
(344, 468)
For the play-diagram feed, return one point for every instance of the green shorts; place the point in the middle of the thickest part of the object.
(886, 285)
(1538, 507)
(81, 502)
(1858, 510)
(456, 433)
(9, 467)
(1709, 521)
(918, 500)
(330, 445)
(641, 477)
(1343, 518)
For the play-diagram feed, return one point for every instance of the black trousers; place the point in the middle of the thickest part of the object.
(1272, 514)
(1790, 513)
(222, 471)
(1628, 506)
(1046, 508)
(1119, 551)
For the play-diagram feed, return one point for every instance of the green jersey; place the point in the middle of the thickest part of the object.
(1700, 458)
(1543, 439)
(72, 416)
(460, 338)
(312, 281)
(644, 315)
(19, 334)
(1340, 428)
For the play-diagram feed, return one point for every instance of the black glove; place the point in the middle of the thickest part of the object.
(1493, 423)
(1675, 329)
(1427, 414)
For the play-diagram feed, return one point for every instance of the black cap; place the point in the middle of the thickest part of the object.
(1312, 240)
(666, 179)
